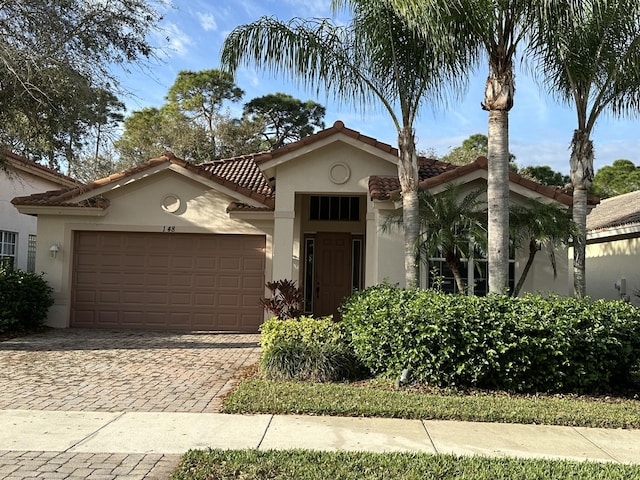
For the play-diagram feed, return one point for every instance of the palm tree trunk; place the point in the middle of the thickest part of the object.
(498, 201)
(408, 175)
(534, 247)
(581, 164)
(454, 265)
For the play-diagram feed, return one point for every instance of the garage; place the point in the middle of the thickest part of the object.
(167, 281)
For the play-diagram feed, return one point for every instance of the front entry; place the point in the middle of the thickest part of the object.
(336, 270)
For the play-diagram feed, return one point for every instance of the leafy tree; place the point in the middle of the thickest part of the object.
(473, 147)
(544, 175)
(285, 119)
(376, 57)
(239, 137)
(589, 55)
(148, 133)
(200, 95)
(539, 225)
(52, 54)
(621, 177)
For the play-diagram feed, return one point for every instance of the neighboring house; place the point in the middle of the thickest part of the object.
(613, 249)
(19, 177)
(171, 245)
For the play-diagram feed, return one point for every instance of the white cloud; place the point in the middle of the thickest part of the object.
(207, 21)
(179, 42)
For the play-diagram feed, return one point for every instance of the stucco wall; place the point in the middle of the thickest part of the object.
(610, 262)
(337, 168)
(18, 184)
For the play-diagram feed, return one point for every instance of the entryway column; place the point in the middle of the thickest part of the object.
(283, 245)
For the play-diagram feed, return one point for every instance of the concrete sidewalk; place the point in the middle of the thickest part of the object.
(175, 433)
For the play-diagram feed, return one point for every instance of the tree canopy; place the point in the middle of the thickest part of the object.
(284, 117)
(623, 176)
(56, 56)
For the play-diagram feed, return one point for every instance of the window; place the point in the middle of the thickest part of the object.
(31, 254)
(475, 274)
(309, 275)
(8, 242)
(325, 207)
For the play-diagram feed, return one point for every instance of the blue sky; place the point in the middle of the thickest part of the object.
(540, 129)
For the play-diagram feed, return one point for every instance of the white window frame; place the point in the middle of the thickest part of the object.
(8, 247)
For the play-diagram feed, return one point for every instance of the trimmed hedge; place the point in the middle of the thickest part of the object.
(524, 344)
(25, 299)
(306, 348)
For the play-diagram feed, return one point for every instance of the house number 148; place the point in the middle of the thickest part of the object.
(169, 228)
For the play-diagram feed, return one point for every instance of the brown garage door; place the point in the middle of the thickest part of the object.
(167, 281)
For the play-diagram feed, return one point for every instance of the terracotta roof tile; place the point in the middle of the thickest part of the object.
(385, 188)
(23, 161)
(337, 127)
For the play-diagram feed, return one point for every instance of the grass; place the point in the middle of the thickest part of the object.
(310, 465)
(371, 399)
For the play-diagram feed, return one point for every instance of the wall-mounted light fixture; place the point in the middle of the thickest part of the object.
(53, 250)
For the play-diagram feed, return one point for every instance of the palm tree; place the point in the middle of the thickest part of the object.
(452, 226)
(375, 58)
(539, 225)
(494, 28)
(590, 58)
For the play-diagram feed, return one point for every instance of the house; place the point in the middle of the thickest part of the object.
(19, 177)
(171, 245)
(613, 249)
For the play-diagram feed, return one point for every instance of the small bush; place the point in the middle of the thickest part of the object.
(286, 299)
(25, 299)
(305, 349)
(526, 344)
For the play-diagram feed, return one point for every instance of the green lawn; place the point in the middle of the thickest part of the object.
(373, 400)
(309, 465)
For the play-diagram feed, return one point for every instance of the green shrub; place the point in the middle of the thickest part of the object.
(525, 344)
(306, 348)
(25, 299)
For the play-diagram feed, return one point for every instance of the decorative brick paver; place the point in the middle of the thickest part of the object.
(129, 371)
(115, 371)
(82, 466)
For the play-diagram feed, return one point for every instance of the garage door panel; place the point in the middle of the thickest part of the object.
(108, 318)
(110, 297)
(158, 261)
(157, 280)
(178, 299)
(167, 281)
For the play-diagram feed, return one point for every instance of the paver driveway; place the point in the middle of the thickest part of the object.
(123, 371)
(105, 370)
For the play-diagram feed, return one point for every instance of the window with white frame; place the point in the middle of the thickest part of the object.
(8, 248)
(31, 254)
(474, 274)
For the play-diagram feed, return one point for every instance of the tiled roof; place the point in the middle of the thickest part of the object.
(239, 174)
(615, 212)
(243, 175)
(242, 171)
(337, 127)
(384, 188)
(559, 194)
(20, 161)
(64, 197)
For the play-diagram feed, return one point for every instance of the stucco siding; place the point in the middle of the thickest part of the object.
(611, 262)
(20, 183)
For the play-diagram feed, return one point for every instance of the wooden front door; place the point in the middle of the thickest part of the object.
(333, 267)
